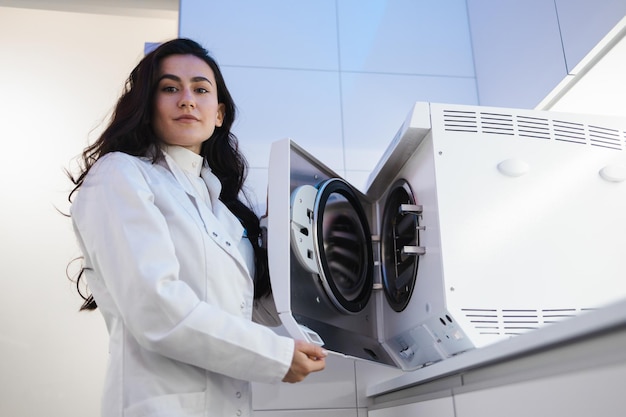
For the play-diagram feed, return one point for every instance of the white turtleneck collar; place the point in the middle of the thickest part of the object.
(188, 160)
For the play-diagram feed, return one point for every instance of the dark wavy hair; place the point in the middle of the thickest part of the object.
(130, 131)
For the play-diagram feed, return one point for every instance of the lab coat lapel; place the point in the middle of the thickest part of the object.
(230, 222)
(221, 225)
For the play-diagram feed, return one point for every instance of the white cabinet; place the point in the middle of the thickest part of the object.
(590, 392)
(439, 407)
(332, 388)
(593, 392)
(307, 413)
(368, 373)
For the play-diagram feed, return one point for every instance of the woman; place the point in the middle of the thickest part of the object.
(171, 254)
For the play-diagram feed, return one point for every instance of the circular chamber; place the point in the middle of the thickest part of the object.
(400, 245)
(343, 246)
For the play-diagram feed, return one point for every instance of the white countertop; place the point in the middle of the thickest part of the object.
(583, 326)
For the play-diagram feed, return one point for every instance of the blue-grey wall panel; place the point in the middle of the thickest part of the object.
(517, 51)
(584, 23)
(268, 33)
(376, 105)
(276, 103)
(405, 37)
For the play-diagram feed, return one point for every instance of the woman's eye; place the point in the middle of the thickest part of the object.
(202, 90)
(169, 89)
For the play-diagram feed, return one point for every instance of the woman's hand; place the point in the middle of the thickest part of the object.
(307, 358)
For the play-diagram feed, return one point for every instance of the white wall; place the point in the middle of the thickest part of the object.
(60, 75)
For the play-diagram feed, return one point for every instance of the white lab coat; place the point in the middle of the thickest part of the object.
(175, 293)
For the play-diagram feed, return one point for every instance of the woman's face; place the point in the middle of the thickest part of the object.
(186, 110)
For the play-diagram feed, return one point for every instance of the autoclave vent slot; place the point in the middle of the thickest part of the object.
(604, 137)
(569, 132)
(460, 121)
(501, 124)
(533, 127)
